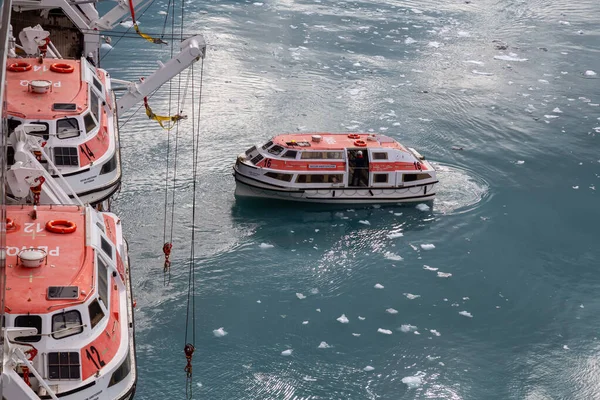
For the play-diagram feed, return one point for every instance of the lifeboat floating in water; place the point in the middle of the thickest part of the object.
(335, 168)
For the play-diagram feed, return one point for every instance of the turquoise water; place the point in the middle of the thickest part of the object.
(515, 222)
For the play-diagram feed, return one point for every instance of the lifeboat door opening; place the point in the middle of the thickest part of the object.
(358, 167)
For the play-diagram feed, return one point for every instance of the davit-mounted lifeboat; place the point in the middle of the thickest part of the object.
(335, 168)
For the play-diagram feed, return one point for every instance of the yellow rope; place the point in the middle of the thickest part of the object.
(161, 118)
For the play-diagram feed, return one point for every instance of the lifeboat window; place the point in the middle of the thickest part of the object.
(257, 159)
(121, 372)
(380, 178)
(98, 84)
(276, 150)
(13, 123)
(94, 105)
(64, 365)
(90, 122)
(110, 166)
(29, 321)
(10, 155)
(290, 154)
(67, 128)
(319, 155)
(103, 282)
(66, 324)
(415, 177)
(250, 150)
(96, 313)
(106, 247)
(66, 156)
(267, 145)
(318, 178)
(423, 176)
(281, 177)
(380, 156)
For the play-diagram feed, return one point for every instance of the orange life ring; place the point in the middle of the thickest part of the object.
(10, 224)
(60, 226)
(360, 143)
(62, 68)
(19, 67)
(354, 136)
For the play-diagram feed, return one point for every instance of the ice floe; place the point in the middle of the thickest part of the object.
(368, 368)
(364, 222)
(384, 331)
(304, 322)
(391, 311)
(590, 73)
(343, 319)
(409, 40)
(392, 256)
(412, 382)
(428, 268)
(428, 246)
(474, 62)
(466, 314)
(378, 286)
(266, 246)
(219, 332)
(287, 352)
(324, 345)
(395, 235)
(520, 162)
(444, 274)
(356, 334)
(423, 207)
(557, 110)
(408, 328)
(300, 296)
(411, 296)
(361, 318)
(436, 333)
(511, 57)
(476, 72)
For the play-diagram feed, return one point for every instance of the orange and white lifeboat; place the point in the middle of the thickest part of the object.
(71, 103)
(331, 168)
(68, 312)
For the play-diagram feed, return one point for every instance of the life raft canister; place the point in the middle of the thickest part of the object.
(62, 68)
(61, 226)
(19, 67)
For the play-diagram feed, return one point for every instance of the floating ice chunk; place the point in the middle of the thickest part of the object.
(398, 214)
(423, 207)
(287, 352)
(548, 116)
(589, 72)
(384, 331)
(356, 334)
(127, 24)
(395, 235)
(463, 34)
(391, 101)
(368, 368)
(258, 3)
(416, 332)
(520, 162)
(566, 347)
(428, 246)
(575, 187)
(316, 230)
(408, 328)
(343, 319)
(543, 81)
(392, 256)
(162, 12)
(416, 11)
(482, 73)
(428, 268)
(304, 322)
(504, 57)
(324, 345)
(266, 246)
(258, 301)
(356, 64)
(444, 274)
(314, 291)
(364, 222)
(219, 332)
(378, 286)
(466, 314)
(564, 22)
(300, 296)
(412, 382)
(318, 310)
(293, 27)
(581, 306)
(436, 333)
(391, 311)
(557, 110)
(409, 40)
(309, 378)
(433, 44)
(474, 62)
(411, 296)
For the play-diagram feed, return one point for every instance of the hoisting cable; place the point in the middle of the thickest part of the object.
(137, 28)
(190, 345)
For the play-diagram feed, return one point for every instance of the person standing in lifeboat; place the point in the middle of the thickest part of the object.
(359, 167)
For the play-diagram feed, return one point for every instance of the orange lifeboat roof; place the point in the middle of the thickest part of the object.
(67, 87)
(336, 141)
(69, 261)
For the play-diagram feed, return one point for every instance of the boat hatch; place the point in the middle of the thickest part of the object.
(64, 107)
(299, 144)
(63, 292)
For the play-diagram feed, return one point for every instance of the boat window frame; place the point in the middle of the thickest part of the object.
(39, 327)
(58, 134)
(375, 155)
(276, 149)
(326, 179)
(103, 291)
(325, 153)
(70, 156)
(95, 321)
(267, 145)
(289, 151)
(70, 364)
(384, 174)
(95, 99)
(76, 329)
(279, 176)
(89, 127)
